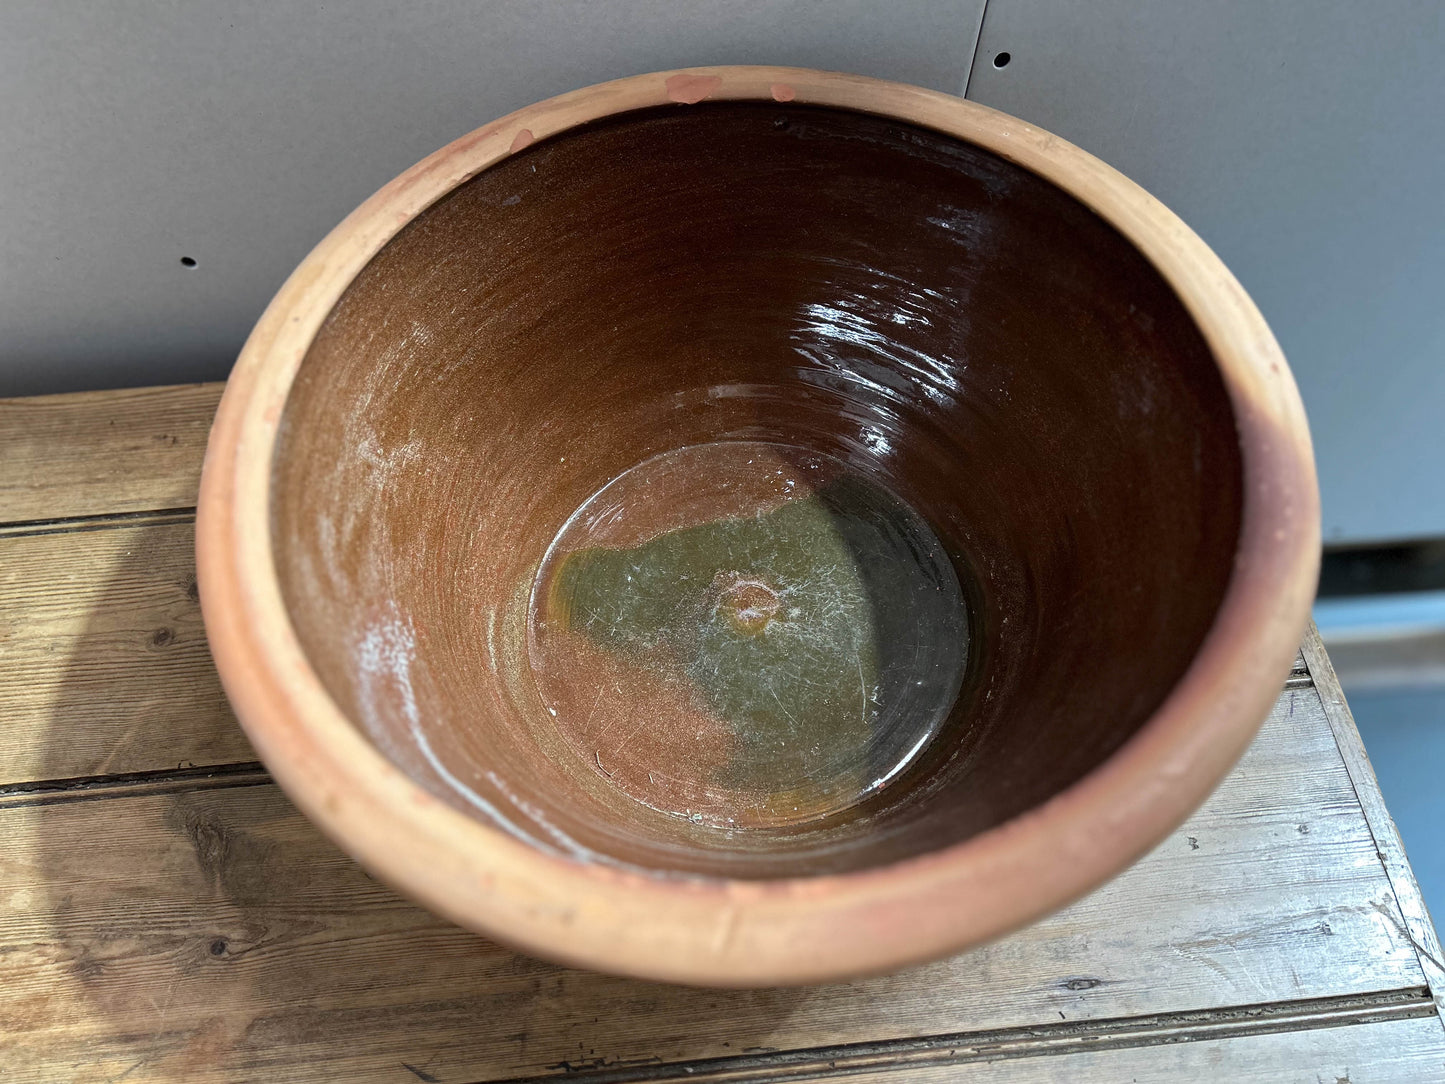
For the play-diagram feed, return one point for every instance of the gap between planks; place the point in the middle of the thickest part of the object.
(1004, 1044)
(79, 524)
(133, 784)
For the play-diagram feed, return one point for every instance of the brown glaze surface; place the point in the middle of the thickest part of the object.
(941, 321)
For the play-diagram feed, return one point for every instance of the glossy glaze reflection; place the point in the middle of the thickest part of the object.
(963, 333)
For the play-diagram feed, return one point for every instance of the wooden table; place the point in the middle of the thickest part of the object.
(165, 915)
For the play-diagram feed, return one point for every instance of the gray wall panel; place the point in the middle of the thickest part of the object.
(136, 133)
(1305, 141)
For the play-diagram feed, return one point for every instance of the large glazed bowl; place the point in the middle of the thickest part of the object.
(753, 525)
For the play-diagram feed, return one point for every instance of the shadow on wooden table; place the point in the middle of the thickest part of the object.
(202, 931)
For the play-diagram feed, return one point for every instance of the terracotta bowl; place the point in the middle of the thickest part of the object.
(753, 526)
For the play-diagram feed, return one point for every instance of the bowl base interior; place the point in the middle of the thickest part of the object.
(747, 634)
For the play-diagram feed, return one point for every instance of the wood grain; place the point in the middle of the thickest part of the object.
(100, 453)
(104, 657)
(215, 936)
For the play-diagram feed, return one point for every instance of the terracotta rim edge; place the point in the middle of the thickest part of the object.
(782, 931)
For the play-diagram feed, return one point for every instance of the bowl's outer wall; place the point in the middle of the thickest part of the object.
(785, 930)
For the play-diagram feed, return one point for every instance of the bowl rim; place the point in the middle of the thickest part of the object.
(788, 930)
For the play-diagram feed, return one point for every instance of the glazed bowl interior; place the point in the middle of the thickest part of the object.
(753, 490)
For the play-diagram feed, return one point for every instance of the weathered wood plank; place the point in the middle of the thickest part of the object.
(215, 936)
(1395, 1052)
(98, 453)
(1388, 844)
(104, 656)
